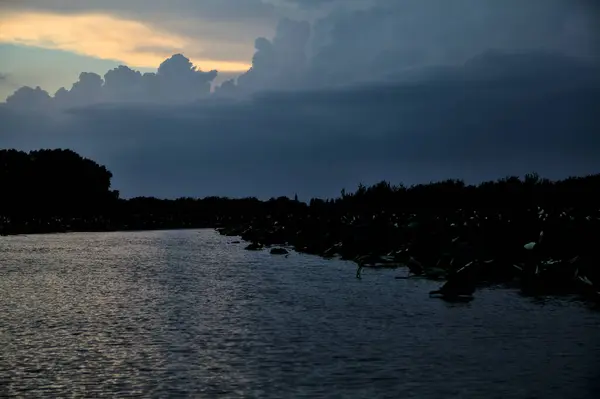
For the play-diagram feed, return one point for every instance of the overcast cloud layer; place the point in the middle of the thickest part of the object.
(399, 90)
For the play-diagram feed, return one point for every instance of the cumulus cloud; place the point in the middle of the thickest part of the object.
(177, 80)
(277, 64)
(28, 98)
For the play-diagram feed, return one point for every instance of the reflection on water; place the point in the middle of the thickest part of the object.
(186, 314)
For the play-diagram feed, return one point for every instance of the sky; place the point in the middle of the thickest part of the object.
(274, 97)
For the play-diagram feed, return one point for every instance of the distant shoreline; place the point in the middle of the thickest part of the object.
(123, 230)
(541, 234)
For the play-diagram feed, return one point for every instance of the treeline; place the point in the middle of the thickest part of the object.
(504, 194)
(509, 192)
(53, 182)
(55, 190)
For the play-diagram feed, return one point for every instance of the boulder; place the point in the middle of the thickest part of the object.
(279, 251)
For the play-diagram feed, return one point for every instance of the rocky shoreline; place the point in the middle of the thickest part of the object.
(541, 251)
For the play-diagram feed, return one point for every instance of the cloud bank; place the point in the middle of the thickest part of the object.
(387, 90)
(176, 80)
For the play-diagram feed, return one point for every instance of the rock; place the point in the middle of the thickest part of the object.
(254, 247)
(529, 246)
(589, 289)
(456, 287)
(435, 273)
(279, 251)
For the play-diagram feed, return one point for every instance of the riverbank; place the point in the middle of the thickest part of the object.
(539, 234)
(542, 251)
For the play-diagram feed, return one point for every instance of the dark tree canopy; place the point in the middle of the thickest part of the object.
(55, 182)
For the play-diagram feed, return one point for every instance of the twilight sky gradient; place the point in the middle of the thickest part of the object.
(340, 91)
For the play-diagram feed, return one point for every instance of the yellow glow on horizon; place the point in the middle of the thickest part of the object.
(105, 37)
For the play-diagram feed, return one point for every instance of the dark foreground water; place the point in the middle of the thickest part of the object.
(186, 314)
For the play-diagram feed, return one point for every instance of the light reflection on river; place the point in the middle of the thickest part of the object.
(188, 314)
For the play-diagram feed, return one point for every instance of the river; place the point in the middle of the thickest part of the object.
(190, 314)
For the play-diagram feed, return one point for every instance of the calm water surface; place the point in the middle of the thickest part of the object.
(188, 314)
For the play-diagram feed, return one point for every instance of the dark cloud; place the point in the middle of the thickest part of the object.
(529, 112)
(390, 36)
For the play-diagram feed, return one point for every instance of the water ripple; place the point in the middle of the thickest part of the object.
(187, 314)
